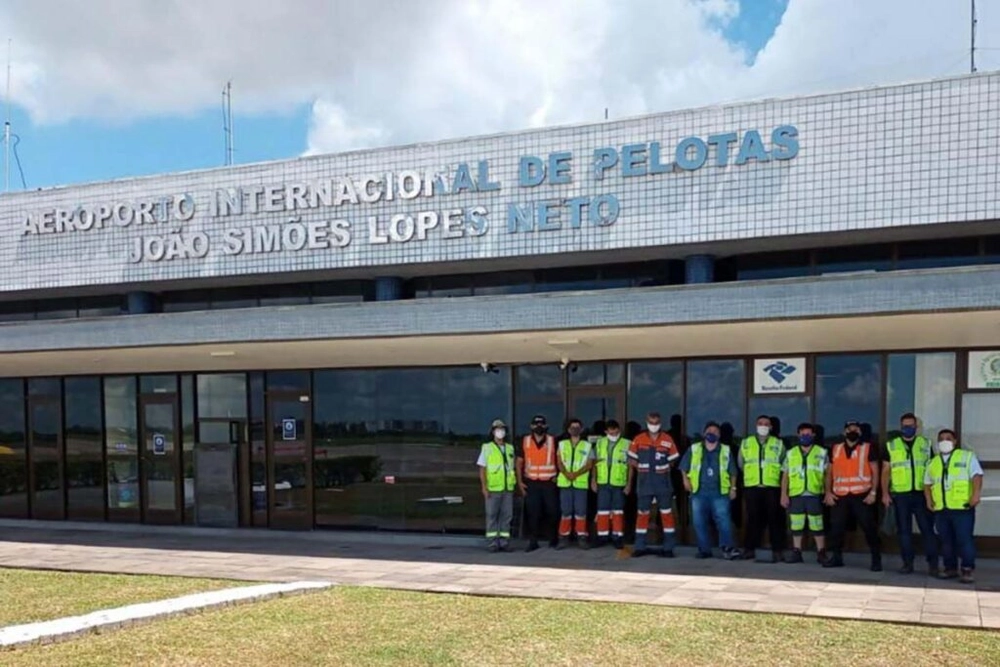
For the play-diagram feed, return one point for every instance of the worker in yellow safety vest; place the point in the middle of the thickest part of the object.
(610, 483)
(574, 459)
(497, 478)
(953, 486)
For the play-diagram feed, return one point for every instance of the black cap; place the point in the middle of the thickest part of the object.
(539, 419)
(852, 422)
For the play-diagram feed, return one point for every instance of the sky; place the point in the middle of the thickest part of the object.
(107, 89)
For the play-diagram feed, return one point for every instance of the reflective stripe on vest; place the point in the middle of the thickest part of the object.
(574, 459)
(907, 474)
(851, 475)
(770, 462)
(613, 459)
(694, 475)
(499, 467)
(806, 473)
(953, 490)
(539, 462)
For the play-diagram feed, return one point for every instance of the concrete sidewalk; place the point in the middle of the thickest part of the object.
(461, 565)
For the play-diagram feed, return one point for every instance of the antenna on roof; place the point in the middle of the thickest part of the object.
(227, 120)
(972, 49)
(6, 128)
(605, 113)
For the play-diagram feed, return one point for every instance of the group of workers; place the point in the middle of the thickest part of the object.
(937, 485)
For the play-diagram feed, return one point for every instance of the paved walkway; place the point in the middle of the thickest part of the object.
(429, 563)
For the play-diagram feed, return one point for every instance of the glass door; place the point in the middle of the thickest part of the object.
(289, 445)
(45, 446)
(162, 482)
(595, 405)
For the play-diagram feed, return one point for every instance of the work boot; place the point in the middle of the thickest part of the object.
(617, 542)
(493, 548)
(933, 571)
(583, 543)
(554, 543)
(602, 541)
(749, 554)
(532, 546)
(949, 574)
(666, 553)
(876, 563)
(821, 556)
(967, 577)
(794, 556)
(562, 543)
(732, 553)
(505, 547)
(836, 560)
(906, 569)
(639, 553)
(702, 555)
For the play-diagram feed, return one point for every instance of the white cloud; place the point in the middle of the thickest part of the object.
(394, 71)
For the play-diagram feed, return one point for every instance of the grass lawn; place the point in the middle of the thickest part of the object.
(31, 595)
(360, 626)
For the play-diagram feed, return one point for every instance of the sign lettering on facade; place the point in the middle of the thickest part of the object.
(354, 204)
(984, 370)
(784, 375)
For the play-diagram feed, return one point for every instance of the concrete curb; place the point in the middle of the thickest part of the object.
(71, 627)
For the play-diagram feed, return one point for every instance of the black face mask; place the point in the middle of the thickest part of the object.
(538, 429)
(853, 437)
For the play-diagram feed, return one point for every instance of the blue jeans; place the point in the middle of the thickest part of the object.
(709, 509)
(955, 528)
(909, 506)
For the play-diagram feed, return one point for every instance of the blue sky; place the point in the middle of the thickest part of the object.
(84, 149)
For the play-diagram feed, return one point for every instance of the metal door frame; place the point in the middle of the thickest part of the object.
(158, 516)
(60, 456)
(307, 521)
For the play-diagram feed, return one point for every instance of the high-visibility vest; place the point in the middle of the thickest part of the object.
(612, 461)
(499, 467)
(574, 459)
(952, 488)
(770, 462)
(697, 455)
(851, 474)
(906, 472)
(539, 462)
(806, 472)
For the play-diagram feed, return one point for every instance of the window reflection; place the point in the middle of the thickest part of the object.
(716, 390)
(656, 386)
(981, 425)
(923, 384)
(786, 413)
(122, 445)
(13, 468)
(84, 458)
(539, 391)
(849, 387)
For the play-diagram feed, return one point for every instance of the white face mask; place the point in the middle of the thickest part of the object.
(614, 438)
(500, 434)
(653, 428)
(763, 431)
(946, 446)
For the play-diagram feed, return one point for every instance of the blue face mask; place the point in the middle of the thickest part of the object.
(909, 431)
(805, 439)
(711, 438)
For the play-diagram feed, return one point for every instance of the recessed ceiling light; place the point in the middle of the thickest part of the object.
(223, 353)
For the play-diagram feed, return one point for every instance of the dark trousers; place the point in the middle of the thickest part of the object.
(956, 530)
(845, 507)
(764, 511)
(541, 507)
(910, 506)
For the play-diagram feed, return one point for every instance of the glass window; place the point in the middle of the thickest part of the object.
(539, 391)
(102, 306)
(716, 391)
(187, 443)
(234, 297)
(343, 291)
(991, 249)
(656, 386)
(596, 374)
(288, 381)
(57, 309)
(514, 282)
(845, 259)
(84, 449)
(158, 384)
(16, 311)
(13, 462)
(179, 302)
(573, 279)
(786, 413)
(222, 396)
(988, 513)
(938, 252)
(44, 387)
(258, 451)
(771, 265)
(284, 295)
(849, 387)
(981, 425)
(923, 384)
(121, 445)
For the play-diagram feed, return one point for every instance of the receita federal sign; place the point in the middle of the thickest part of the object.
(166, 231)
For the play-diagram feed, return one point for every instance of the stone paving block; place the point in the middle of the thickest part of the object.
(894, 616)
(833, 612)
(958, 620)
(781, 607)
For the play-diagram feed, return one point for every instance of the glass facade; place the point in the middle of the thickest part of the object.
(395, 448)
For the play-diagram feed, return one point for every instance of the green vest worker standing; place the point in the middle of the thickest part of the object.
(953, 486)
(709, 470)
(609, 481)
(496, 475)
(803, 483)
(761, 456)
(574, 459)
(904, 464)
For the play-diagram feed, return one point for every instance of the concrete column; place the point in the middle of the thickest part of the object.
(388, 289)
(699, 269)
(141, 302)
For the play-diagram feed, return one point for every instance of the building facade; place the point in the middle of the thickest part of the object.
(323, 342)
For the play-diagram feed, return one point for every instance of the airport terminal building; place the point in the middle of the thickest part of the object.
(324, 341)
